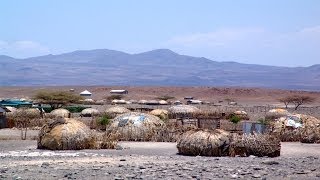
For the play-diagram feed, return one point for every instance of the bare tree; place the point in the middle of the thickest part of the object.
(22, 119)
(286, 100)
(298, 100)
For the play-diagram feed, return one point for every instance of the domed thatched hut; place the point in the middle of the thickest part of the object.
(64, 134)
(88, 112)
(135, 126)
(161, 113)
(204, 143)
(310, 131)
(298, 127)
(181, 111)
(61, 113)
(116, 110)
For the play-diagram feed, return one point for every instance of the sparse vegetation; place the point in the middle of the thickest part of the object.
(114, 96)
(165, 97)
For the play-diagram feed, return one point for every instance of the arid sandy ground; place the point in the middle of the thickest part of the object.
(152, 160)
(255, 96)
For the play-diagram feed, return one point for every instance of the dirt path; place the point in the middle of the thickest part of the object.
(152, 160)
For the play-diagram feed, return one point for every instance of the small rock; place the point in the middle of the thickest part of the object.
(118, 147)
(186, 168)
(256, 175)
(257, 168)
(234, 176)
(130, 176)
(270, 162)
(122, 159)
(142, 167)
(195, 176)
(118, 178)
(45, 164)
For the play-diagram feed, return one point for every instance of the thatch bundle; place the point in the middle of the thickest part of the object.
(204, 143)
(61, 113)
(135, 126)
(116, 110)
(276, 113)
(163, 102)
(161, 113)
(64, 134)
(255, 144)
(88, 112)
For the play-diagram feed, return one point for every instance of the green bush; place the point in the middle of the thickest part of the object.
(47, 109)
(104, 120)
(235, 119)
(75, 109)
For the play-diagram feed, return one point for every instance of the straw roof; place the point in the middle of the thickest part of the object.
(282, 111)
(276, 113)
(183, 109)
(64, 134)
(204, 143)
(240, 113)
(135, 126)
(89, 111)
(118, 101)
(163, 102)
(31, 111)
(117, 110)
(61, 112)
(157, 112)
(161, 113)
(142, 101)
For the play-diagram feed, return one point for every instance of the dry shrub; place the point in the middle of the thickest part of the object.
(171, 132)
(109, 140)
(204, 143)
(255, 144)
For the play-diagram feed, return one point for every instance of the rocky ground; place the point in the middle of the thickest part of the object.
(150, 160)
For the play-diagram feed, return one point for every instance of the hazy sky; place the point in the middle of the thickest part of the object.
(272, 32)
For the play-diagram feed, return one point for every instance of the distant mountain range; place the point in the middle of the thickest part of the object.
(161, 67)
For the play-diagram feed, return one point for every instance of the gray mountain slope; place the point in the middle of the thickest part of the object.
(156, 67)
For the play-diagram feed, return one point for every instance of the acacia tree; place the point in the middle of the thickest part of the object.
(297, 100)
(286, 100)
(56, 99)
